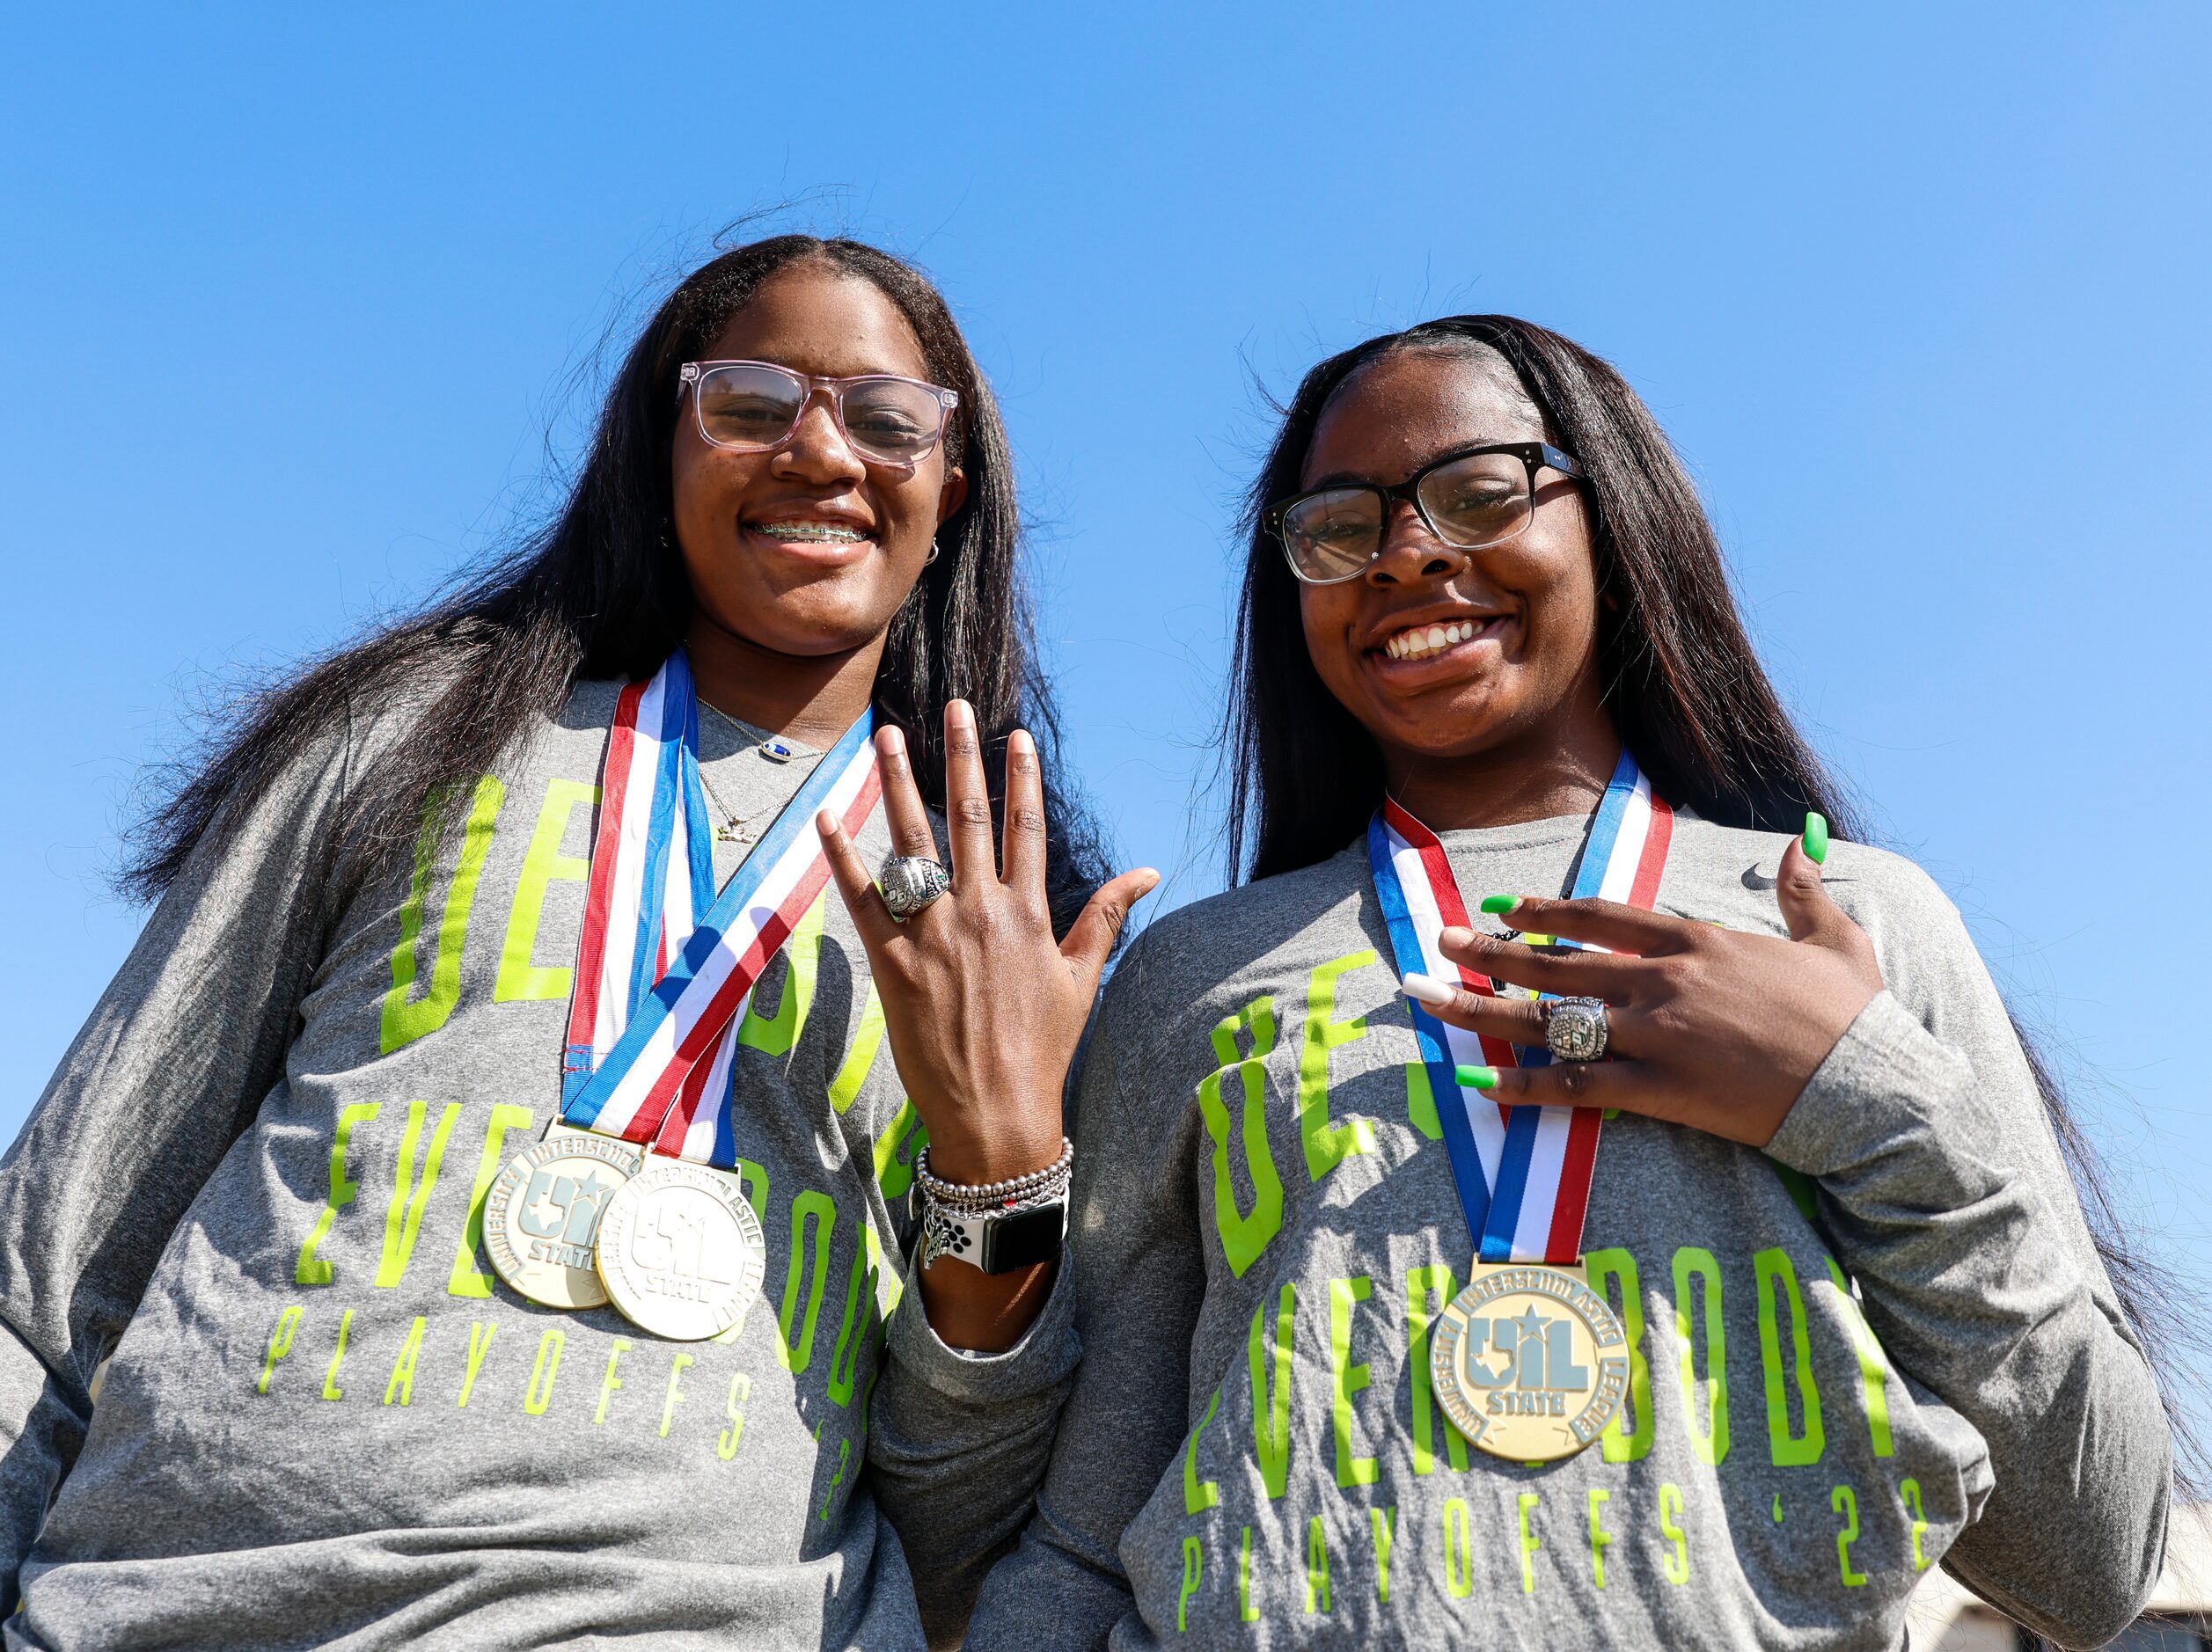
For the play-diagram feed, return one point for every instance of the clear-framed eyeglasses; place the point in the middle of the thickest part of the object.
(751, 406)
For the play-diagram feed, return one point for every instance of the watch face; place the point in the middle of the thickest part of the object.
(1024, 1238)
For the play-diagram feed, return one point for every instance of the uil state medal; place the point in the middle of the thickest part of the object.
(629, 1200)
(680, 1251)
(541, 1216)
(1529, 1362)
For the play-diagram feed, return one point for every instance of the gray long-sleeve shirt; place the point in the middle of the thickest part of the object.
(1886, 1343)
(256, 1183)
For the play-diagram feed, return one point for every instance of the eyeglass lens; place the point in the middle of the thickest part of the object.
(1478, 501)
(749, 406)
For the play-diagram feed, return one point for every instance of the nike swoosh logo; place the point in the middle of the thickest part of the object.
(1753, 879)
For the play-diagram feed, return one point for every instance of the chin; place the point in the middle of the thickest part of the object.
(1443, 728)
(805, 631)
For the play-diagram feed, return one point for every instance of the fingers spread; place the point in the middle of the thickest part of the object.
(854, 882)
(967, 799)
(1607, 924)
(904, 812)
(1090, 942)
(1567, 974)
(1024, 847)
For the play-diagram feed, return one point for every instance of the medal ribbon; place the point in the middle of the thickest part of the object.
(1523, 1173)
(665, 967)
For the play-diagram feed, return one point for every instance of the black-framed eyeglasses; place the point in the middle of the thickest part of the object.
(1470, 499)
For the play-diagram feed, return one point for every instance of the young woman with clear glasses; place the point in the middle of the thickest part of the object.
(1707, 1299)
(504, 936)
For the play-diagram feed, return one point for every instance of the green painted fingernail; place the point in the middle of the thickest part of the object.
(1476, 1077)
(1816, 843)
(1500, 904)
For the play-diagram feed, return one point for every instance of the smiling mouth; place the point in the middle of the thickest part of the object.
(1424, 642)
(810, 532)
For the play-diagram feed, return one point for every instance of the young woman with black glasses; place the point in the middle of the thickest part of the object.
(1563, 1196)
(472, 1215)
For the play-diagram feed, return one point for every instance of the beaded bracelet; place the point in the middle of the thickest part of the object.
(991, 1194)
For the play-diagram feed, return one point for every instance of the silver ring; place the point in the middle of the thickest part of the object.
(1575, 1029)
(910, 882)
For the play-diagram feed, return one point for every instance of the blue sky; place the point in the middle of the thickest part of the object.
(303, 312)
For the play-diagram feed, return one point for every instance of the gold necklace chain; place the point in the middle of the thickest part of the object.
(736, 829)
(743, 729)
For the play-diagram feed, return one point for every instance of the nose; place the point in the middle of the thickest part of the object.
(816, 451)
(1411, 552)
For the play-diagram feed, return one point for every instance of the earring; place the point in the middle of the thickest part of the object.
(933, 548)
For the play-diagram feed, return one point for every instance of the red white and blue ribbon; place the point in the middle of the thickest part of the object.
(1523, 1172)
(665, 966)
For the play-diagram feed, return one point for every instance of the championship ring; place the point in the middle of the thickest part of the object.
(1530, 1364)
(543, 1211)
(910, 882)
(680, 1251)
(1576, 1029)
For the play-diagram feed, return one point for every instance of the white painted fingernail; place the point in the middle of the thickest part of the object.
(1425, 990)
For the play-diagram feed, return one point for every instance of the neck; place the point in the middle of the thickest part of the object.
(1549, 773)
(812, 697)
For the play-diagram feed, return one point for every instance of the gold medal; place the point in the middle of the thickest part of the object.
(543, 1212)
(1530, 1364)
(680, 1251)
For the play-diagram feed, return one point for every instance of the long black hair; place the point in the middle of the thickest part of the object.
(1682, 683)
(600, 591)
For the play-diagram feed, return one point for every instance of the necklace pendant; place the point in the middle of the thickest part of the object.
(732, 832)
(776, 748)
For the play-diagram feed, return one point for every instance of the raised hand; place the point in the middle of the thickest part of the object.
(985, 1008)
(1708, 1027)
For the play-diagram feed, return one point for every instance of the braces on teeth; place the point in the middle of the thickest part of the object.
(810, 530)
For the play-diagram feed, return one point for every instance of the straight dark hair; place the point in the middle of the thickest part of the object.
(600, 591)
(1683, 685)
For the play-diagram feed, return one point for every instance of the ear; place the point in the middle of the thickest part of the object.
(952, 495)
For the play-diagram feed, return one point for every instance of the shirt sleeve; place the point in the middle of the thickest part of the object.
(957, 1443)
(1943, 1186)
(1140, 1283)
(168, 1070)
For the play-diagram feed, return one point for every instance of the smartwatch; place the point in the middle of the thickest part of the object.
(992, 1241)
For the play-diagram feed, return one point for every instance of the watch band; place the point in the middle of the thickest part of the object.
(993, 1241)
